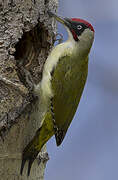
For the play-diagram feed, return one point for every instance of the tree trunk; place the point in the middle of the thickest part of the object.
(26, 36)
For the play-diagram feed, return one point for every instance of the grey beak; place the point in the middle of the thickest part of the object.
(59, 19)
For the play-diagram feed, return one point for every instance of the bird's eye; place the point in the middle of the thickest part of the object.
(79, 27)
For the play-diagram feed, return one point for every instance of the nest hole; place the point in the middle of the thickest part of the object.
(28, 49)
(29, 46)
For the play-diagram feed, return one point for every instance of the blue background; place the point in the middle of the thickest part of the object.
(90, 148)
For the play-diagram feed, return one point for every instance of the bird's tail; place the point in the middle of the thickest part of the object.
(42, 135)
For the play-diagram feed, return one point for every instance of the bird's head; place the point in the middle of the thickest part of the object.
(78, 29)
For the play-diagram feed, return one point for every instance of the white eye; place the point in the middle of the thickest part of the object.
(79, 27)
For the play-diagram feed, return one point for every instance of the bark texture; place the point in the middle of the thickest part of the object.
(26, 37)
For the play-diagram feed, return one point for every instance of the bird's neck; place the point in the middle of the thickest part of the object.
(84, 43)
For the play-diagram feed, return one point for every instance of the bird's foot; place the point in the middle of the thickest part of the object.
(43, 157)
(59, 39)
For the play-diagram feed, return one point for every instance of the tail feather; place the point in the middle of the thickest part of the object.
(29, 154)
(22, 166)
(29, 166)
(42, 135)
(30, 158)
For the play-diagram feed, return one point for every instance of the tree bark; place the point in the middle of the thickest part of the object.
(26, 37)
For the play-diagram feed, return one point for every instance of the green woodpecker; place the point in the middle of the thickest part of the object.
(64, 76)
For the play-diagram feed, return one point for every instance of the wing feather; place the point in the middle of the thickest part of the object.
(68, 82)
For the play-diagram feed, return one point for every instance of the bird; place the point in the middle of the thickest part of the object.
(64, 76)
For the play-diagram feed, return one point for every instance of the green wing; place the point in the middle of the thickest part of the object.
(68, 80)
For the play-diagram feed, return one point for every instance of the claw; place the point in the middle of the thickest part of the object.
(60, 40)
(43, 157)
